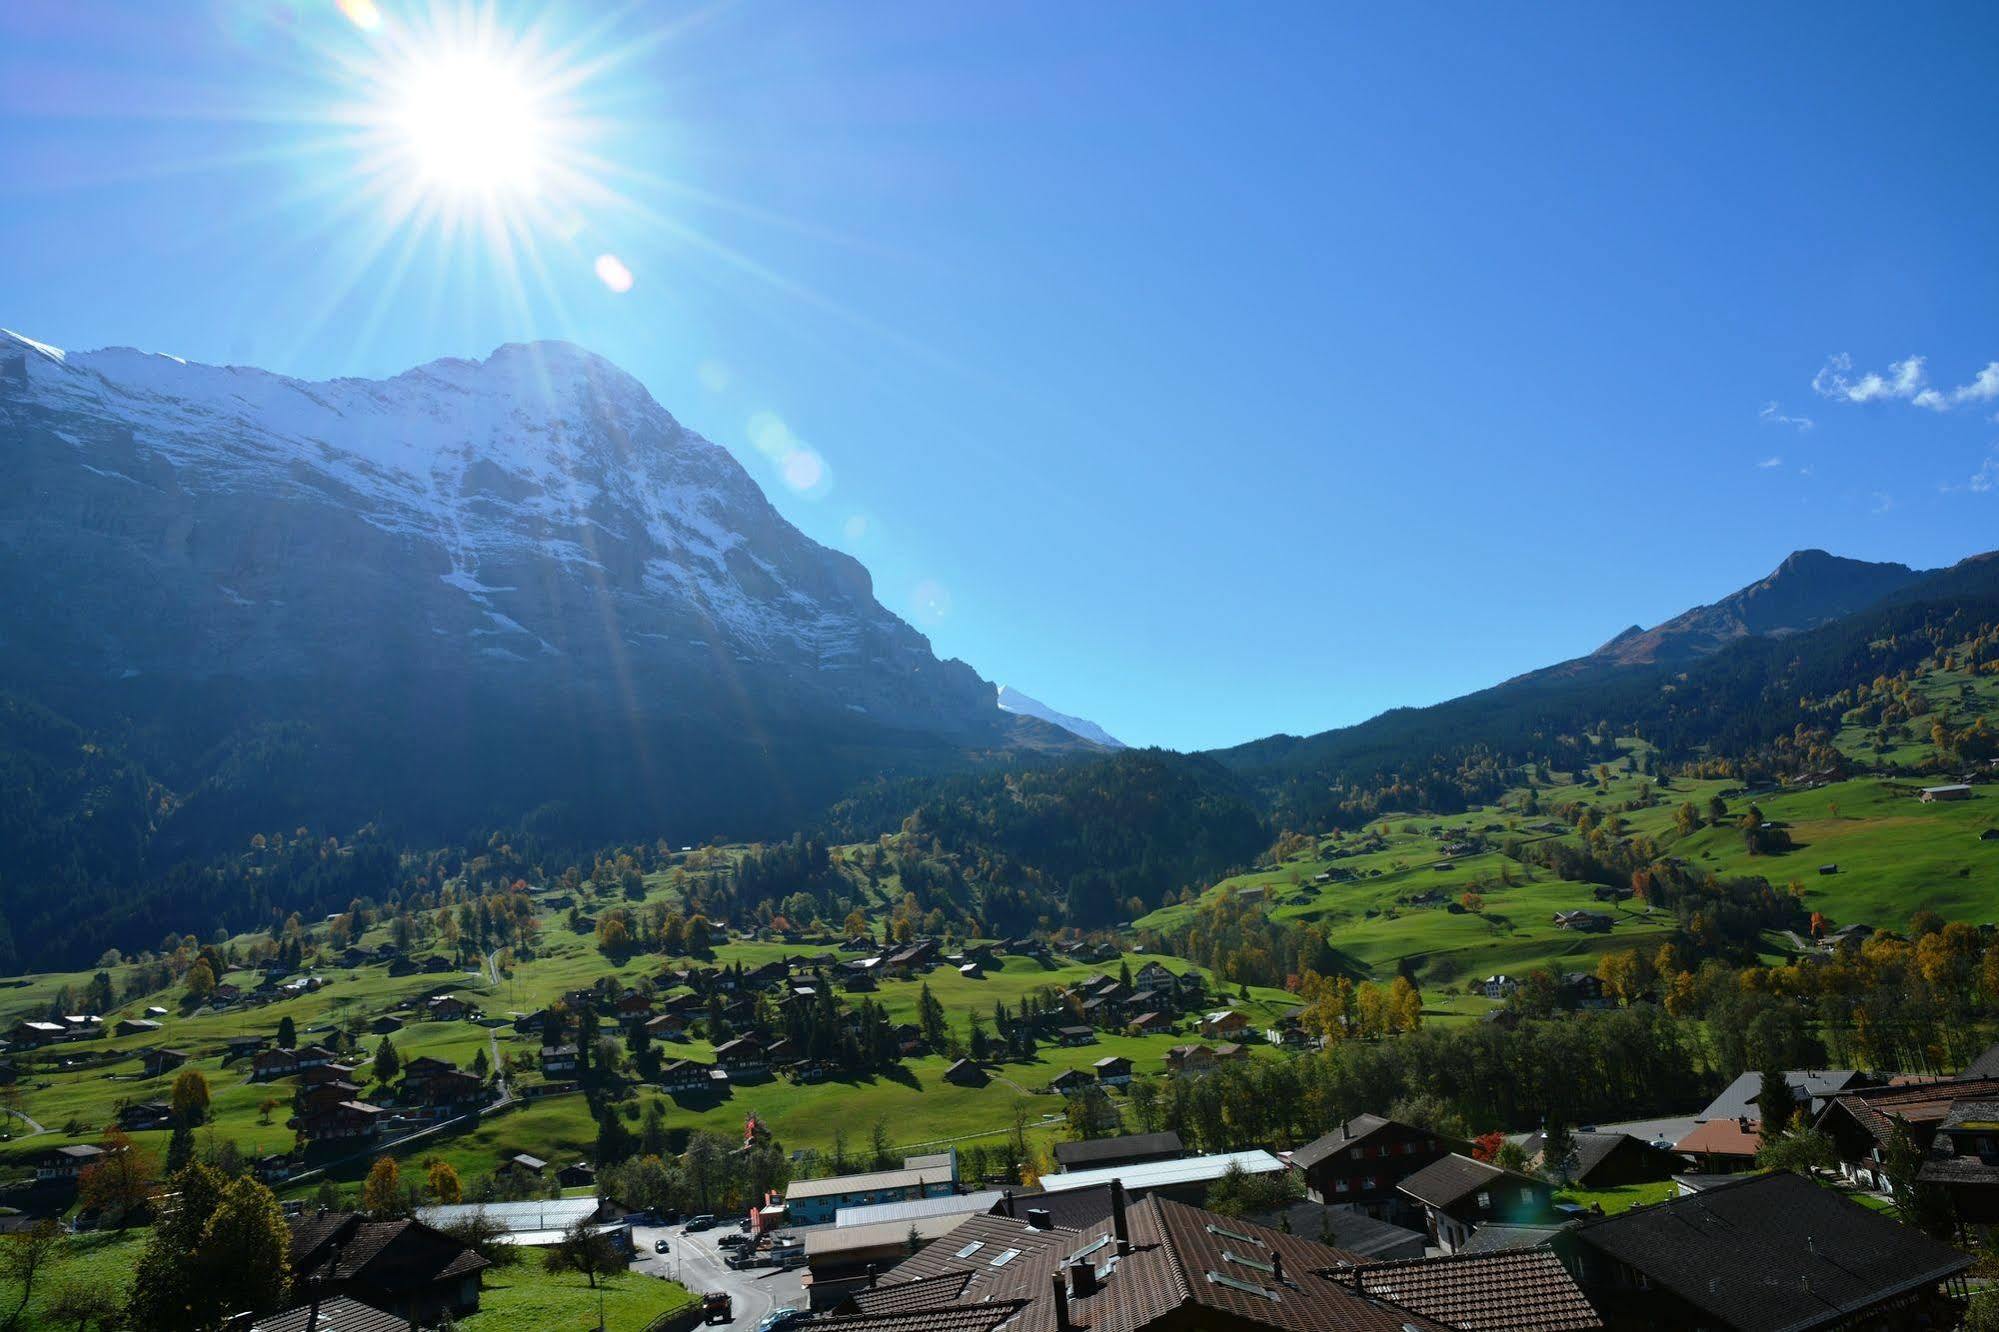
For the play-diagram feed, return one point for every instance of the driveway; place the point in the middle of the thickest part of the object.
(696, 1263)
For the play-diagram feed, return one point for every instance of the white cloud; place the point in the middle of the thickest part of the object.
(1986, 478)
(1906, 381)
(1883, 501)
(1771, 462)
(1773, 415)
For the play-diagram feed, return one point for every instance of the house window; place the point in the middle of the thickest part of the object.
(1368, 1183)
(1527, 1196)
(1357, 1152)
(1340, 1186)
(1484, 1201)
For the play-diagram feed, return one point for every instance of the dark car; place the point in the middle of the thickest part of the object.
(705, 1221)
(659, 1246)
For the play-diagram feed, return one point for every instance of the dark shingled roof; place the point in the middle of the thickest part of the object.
(394, 1256)
(1526, 1290)
(1354, 1131)
(1985, 1066)
(1096, 1151)
(1773, 1252)
(1352, 1232)
(1505, 1236)
(949, 1318)
(1450, 1181)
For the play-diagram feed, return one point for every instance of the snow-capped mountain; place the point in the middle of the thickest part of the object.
(530, 535)
(1012, 700)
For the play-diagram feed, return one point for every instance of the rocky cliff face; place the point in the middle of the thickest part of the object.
(513, 565)
(1808, 589)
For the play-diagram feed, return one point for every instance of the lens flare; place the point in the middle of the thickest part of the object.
(612, 272)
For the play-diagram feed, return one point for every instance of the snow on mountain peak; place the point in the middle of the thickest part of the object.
(1012, 700)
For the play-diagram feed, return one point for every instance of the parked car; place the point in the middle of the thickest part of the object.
(778, 1319)
(705, 1221)
(659, 1246)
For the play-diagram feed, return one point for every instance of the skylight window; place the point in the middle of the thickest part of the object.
(1246, 1287)
(1086, 1250)
(1257, 1263)
(1005, 1256)
(1236, 1235)
(971, 1248)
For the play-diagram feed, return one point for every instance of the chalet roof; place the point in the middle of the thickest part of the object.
(1450, 1181)
(1807, 1085)
(396, 1255)
(1773, 1252)
(1722, 1137)
(1875, 1109)
(1520, 1290)
(338, 1314)
(1350, 1134)
(1093, 1151)
(1985, 1066)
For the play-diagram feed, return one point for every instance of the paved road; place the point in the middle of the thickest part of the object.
(696, 1263)
(1645, 1130)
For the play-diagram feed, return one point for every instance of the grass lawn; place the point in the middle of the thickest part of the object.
(523, 1298)
(1623, 1197)
(102, 1261)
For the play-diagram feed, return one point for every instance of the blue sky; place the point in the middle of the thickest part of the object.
(1203, 370)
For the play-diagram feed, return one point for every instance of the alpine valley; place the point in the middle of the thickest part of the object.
(514, 600)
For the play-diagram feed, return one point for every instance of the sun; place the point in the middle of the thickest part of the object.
(471, 123)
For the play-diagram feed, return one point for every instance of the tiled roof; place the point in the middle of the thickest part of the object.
(339, 1314)
(1775, 1251)
(1523, 1290)
(1876, 1109)
(925, 1294)
(1188, 1268)
(1722, 1137)
(948, 1318)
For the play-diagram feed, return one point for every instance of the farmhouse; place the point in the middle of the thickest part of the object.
(1362, 1163)
(1113, 1070)
(1459, 1194)
(1605, 1160)
(403, 1266)
(1954, 791)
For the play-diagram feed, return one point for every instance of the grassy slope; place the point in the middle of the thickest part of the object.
(518, 1298)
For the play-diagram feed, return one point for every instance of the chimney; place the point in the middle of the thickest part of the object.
(1082, 1279)
(1062, 1323)
(871, 1276)
(1277, 1267)
(1038, 1218)
(1006, 1203)
(1118, 1226)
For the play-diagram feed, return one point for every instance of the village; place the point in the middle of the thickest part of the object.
(277, 1075)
